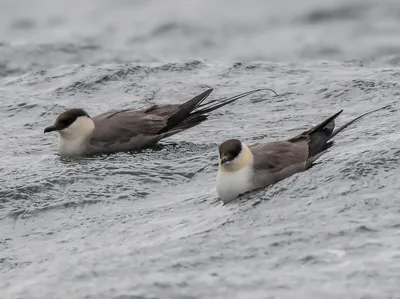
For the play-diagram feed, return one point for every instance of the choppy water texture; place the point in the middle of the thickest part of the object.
(149, 225)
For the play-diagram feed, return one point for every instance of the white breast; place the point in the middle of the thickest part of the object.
(75, 147)
(232, 184)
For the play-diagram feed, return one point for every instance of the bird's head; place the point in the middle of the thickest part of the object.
(72, 124)
(234, 155)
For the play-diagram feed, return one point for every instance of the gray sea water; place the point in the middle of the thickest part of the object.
(149, 225)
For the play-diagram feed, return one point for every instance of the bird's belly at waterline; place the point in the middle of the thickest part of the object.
(70, 148)
(232, 184)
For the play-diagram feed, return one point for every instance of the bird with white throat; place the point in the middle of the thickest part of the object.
(129, 129)
(244, 168)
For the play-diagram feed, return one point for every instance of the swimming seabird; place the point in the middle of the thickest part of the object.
(245, 168)
(129, 129)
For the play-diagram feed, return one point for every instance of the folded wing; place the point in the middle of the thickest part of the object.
(129, 129)
(277, 160)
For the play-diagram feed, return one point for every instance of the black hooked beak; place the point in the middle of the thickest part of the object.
(51, 129)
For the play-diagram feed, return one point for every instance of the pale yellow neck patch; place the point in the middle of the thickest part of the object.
(242, 160)
(81, 128)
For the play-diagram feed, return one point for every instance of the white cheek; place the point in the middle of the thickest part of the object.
(66, 130)
(71, 130)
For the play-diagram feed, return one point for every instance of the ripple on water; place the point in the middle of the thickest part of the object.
(149, 223)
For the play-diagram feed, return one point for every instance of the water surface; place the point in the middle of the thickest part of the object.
(149, 225)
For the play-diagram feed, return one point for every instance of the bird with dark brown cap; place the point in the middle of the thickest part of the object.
(245, 168)
(129, 129)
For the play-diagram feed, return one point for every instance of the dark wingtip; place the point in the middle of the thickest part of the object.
(337, 114)
(337, 131)
(318, 146)
(187, 113)
(324, 125)
(184, 110)
(215, 104)
(203, 95)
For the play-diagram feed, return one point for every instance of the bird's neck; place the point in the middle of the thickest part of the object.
(81, 129)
